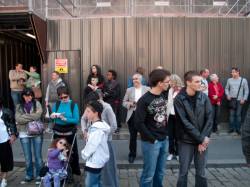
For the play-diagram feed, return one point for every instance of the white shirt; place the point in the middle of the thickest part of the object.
(204, 84)
(4, 136)
(138, 93)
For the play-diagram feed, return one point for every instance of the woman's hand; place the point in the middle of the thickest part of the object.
(12, 139)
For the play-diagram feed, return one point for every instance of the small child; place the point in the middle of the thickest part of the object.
(96, 152)
(57, 159)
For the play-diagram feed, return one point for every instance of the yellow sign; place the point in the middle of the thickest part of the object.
(61, 65)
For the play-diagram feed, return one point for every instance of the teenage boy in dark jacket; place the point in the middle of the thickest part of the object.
(194, 125)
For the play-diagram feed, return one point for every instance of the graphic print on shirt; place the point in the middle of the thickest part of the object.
(158, 108)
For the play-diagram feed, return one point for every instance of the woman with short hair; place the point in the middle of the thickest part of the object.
(215, 94)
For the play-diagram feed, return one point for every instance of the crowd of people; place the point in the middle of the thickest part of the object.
(174, 118)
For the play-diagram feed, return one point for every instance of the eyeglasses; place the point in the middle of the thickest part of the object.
(135, 78)
(62, 143)
(64, 97)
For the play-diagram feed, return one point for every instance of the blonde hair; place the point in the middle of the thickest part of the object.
(213, 76)
(176, 80)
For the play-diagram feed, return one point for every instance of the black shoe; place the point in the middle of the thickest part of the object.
(131, 159)
(231, 131)
(238, 132)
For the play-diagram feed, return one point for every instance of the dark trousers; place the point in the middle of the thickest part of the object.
(188, 152)
(133, 136)
(216, 113)
(74, 160)
(117, 110)
(173, 145)
(6, 157)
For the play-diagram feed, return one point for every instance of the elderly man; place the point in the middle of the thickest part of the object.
(131, 97)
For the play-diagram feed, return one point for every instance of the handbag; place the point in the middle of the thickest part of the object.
(37, 92)
(35, 128)
(233, 101)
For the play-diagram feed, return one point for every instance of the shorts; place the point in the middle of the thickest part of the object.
(6, 157)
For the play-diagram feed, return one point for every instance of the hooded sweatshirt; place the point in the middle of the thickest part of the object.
(96, 151)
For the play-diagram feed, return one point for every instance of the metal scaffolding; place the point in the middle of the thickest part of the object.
(61, 9)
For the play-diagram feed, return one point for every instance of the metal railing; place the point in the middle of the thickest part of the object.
(53, 9)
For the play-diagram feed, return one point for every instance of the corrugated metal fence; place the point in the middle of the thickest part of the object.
(177, 43)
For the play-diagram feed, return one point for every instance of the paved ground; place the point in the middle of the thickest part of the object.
(217, 177)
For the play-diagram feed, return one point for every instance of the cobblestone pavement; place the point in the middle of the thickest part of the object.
(217, 177)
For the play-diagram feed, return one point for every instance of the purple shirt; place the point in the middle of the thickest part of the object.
(53, 161)
(28, 106)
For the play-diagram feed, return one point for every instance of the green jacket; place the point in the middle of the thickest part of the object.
(33, 80)
(23, 118)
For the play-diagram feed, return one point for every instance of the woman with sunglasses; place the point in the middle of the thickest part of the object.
(8, 134)
(27, 111)
(66, 118)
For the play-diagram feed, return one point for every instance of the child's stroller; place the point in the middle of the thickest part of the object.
(68, 177)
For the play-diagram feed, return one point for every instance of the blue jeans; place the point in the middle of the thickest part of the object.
(235, 117)
(154, 162)
(16, 97)
(93, 179)
(27, 143)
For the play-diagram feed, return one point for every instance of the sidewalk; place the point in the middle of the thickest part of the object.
(217, 177)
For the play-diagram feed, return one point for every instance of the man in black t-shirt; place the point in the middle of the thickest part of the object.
(150, 120)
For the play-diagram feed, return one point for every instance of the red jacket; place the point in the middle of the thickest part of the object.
(212, 92)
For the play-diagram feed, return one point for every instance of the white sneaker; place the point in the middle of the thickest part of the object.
(4, 183)
(170, 157)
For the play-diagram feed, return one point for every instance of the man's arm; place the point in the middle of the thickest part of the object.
(246, 90)
(206, 131)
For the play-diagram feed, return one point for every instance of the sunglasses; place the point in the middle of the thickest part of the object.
(27, 95)
(62, 143)
(64, 97)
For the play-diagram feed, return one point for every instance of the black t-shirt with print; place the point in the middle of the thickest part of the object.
(151, 117)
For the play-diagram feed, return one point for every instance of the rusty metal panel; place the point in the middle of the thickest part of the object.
(167, 43)
(40, 29)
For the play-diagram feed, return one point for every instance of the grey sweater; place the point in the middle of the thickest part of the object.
(107, 115)
(232, 87)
